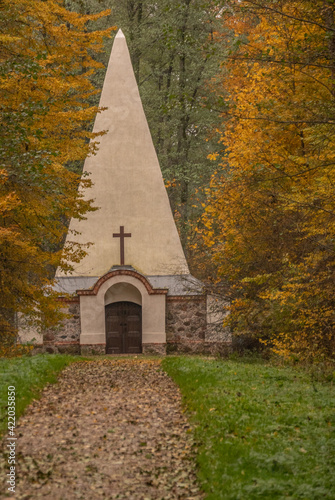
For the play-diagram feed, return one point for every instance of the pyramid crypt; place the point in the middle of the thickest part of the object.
(132, 292)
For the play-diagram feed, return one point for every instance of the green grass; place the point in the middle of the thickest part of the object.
(263, 432)
(28, 375)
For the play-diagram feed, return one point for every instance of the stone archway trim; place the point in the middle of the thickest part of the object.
(123, 272)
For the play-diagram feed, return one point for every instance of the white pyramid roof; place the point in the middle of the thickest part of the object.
(127, 187)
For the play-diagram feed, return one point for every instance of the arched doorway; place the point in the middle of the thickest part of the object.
(123, 328)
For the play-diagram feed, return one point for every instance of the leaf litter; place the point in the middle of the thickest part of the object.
(110, 428)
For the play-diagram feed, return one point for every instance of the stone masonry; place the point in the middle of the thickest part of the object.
(185, 323)
(65, 337)
(187, 329)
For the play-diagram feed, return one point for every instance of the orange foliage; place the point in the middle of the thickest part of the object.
(270, 218)
(45, 69)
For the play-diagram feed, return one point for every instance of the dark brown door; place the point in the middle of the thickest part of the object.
(123, 328)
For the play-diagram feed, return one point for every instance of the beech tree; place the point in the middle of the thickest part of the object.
(269, 220)
(45, 69)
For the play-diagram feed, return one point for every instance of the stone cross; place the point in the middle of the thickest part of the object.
(122, 235)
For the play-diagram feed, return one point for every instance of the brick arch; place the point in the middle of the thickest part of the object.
(123, 272)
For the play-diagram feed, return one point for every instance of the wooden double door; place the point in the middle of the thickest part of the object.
(123, 328)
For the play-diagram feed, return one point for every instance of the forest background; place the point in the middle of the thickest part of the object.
(239, 96)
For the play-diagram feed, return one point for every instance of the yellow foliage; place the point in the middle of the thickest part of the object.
(273, 206)
(45, 67)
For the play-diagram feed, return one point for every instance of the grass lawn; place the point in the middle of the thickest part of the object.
(262, 431)
(28, 375)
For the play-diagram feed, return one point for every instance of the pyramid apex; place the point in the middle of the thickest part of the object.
(120, 34)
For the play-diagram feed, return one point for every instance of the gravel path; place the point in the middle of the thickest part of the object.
(110, 428)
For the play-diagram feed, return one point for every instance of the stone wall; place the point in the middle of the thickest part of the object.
(92, 349)
(188, 330)
(65, 337)
(192, 326)
(217, 311)
(154, 348)
(185, 323)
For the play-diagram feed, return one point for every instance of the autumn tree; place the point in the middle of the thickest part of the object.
(45, 63)
(269, 220)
